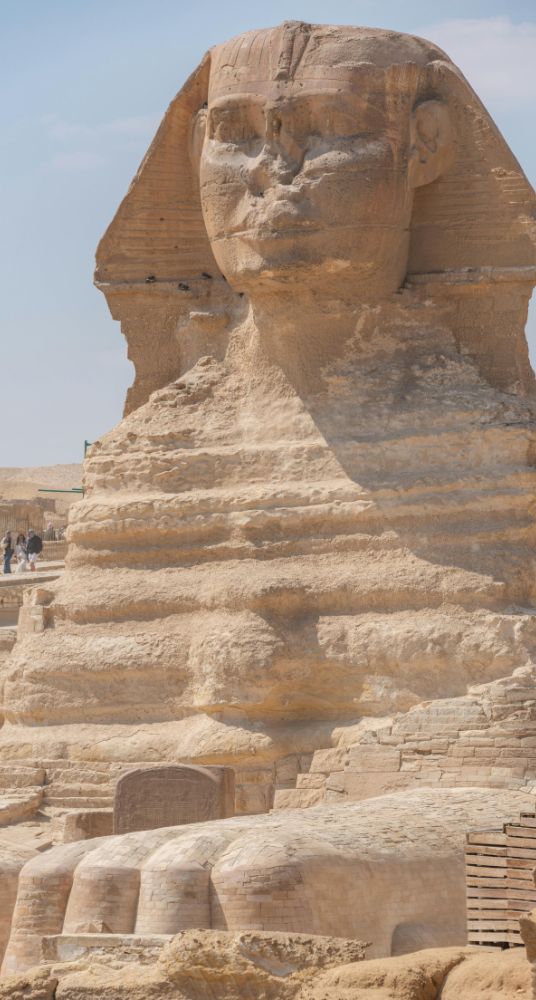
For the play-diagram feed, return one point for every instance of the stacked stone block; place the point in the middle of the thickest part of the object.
(485, 739)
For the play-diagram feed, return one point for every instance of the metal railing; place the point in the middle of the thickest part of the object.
(17, 525)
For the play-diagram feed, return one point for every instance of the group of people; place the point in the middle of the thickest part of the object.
(25, 551)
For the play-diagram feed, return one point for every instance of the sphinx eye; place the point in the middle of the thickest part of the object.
(230, 126)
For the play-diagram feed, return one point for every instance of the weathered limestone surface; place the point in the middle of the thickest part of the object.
(229, 966)
(8, 637)
(427, 975)
(302, 871)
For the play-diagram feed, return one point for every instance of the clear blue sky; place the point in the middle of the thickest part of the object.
(84, 83)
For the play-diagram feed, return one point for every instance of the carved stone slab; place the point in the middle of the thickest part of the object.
(171, 795)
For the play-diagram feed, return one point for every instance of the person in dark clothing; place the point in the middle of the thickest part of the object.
(33, 547)
(7, 546)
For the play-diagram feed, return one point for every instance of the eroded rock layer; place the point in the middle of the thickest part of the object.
(244, 553)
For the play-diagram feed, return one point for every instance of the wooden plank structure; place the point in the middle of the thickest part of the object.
(499, 878)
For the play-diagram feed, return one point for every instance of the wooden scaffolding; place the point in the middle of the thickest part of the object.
(499, 875)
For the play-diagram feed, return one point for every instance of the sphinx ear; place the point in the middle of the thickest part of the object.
(431, 143)
(197, 136)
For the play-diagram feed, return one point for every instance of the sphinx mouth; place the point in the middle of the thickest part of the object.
(279, 218)
(267, 231)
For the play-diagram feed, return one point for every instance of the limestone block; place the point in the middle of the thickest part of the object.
(87, 824)
(148, 798)
(31, 620)
(287, 768)
(40, 596)
(332, 759)
(125, 948)
(297, 798)
(363, 759)
(310, 780)
(368, 784)
(19, 776)
(305, 760)
(19, 803)
(254, 798)
(254, 775)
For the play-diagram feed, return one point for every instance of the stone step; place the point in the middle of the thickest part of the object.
(103, 766)
(8, 767)
(79, 801)
(83, 788)
(75, 775)
(17, 804)
(110, 768)
(16, 776)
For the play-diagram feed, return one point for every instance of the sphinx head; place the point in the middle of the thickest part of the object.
(309, 152)
(350, 161)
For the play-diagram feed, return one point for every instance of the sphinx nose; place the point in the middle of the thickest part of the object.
(273, 166)
(281, 157)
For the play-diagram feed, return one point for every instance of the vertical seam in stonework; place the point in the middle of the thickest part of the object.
(303, 35)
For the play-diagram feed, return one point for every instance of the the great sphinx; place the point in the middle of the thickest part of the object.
(313, 527)
(321, 487)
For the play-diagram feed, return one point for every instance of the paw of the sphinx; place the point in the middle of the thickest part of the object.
(299, 871)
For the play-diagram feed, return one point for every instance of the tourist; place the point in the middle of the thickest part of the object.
(7, 546)
(21, 554)
(34, 547)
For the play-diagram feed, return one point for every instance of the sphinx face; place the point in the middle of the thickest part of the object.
(307, 183)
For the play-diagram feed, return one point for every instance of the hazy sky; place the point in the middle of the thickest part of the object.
(84, 84)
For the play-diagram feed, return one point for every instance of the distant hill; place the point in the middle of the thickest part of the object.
(23, 484)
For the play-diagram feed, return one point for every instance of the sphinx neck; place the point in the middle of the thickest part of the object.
(300, 334)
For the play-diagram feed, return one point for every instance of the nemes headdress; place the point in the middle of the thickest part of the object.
(473, 228)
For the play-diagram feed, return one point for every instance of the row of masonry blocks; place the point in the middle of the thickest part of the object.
(125, 892)
(71, 784)
(487, 738)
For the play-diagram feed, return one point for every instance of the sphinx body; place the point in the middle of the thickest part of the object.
(339, 442)
(314, 526)
(251, 568)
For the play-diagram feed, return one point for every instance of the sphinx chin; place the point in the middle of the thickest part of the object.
(304, 262)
